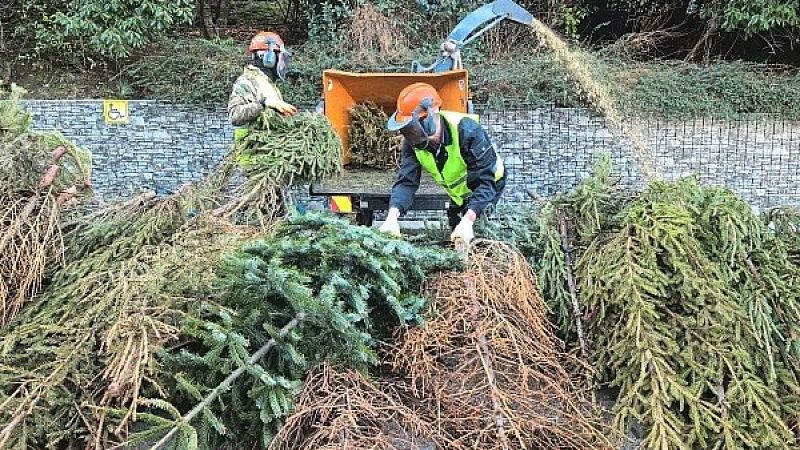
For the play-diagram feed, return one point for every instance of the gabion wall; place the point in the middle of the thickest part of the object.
(546, 150)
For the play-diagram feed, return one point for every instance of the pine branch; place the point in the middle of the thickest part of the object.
(226, 384)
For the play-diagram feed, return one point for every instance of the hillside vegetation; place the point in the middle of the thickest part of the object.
(656, 57)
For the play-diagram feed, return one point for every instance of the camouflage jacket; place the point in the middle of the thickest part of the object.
(250, 89)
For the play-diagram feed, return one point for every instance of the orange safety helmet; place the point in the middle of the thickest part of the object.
(264, 40)
(414, 101)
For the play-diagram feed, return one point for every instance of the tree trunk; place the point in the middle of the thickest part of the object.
(2, 38)
(209, 29)
(5, 71)
(706, 42)
(223, 13)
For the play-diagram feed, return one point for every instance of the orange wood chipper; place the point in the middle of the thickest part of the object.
(363, 192)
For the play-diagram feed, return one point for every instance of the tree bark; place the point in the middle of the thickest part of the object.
(223, 13)
(705, 43)
(2, 38)
(566, 247)
(207, 19)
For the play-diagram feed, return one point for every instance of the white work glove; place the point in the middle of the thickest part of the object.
(463, 231)
(391, 226)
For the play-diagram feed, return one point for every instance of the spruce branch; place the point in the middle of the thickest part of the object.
(226, 384)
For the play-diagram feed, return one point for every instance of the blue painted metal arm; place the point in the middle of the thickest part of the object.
(470, 27)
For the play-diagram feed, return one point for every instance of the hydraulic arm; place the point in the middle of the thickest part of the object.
(471, 27)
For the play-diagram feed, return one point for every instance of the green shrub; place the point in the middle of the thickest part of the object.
(109, 29)
(188, 70)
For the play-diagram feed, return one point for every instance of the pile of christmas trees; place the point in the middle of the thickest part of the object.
(173, 320)
(207, 319)
(39, 173)
(180, 322)
(684, 300)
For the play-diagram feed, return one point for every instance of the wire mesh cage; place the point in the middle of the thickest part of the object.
(549, 150)
(546, 149)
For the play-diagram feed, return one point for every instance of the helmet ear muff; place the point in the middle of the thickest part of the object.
(270, 57)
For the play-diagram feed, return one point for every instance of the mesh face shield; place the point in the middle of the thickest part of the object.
(415, 134)
(419, 130)
(282, 66)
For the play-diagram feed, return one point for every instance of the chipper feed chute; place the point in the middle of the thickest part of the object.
(343, 90)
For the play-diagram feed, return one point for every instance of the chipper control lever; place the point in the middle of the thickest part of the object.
(470, 27)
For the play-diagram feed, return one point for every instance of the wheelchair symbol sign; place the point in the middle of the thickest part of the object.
(115, 111)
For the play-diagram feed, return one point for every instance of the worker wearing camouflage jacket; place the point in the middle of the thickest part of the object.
(254, 90)
(455, 149)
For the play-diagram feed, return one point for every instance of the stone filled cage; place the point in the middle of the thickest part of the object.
(547, 149)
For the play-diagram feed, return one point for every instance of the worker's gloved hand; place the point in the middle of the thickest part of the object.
(463, 231)
(281, 106)
(285, 108)
(391, 226)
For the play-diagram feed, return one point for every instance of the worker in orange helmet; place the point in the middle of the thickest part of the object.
(454, 149)
(254, 91)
